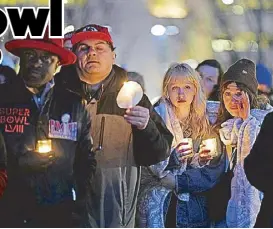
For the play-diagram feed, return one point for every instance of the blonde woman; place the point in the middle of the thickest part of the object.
(171, 191)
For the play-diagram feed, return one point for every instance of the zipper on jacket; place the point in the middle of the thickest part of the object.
(124, 205)
(99, 148)
(101, 132)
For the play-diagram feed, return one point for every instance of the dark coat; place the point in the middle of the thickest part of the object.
(41, 182)
(125, 148)
(3, 166)
(259, 169)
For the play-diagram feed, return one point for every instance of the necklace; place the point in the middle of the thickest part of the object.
(186, 128)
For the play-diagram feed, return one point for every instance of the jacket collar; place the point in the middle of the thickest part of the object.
(72, 82)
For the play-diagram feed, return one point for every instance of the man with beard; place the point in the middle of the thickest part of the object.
(46, 132)
(124, 139)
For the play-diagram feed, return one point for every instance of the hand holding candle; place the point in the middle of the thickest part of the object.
(138, 116)
(38, 159)
(184, 149)
(208, 150)
(129, 96)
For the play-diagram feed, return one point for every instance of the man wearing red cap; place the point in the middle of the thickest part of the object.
(124, 139)
(46, 132)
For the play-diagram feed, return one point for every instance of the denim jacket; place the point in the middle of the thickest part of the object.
(154, 198)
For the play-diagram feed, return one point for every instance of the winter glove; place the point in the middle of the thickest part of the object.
(33, 161)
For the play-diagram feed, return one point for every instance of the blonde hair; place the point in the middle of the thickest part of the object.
(197, 118)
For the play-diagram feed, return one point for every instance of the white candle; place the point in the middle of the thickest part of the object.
(210, 144)
(127, 91)
(129, 95)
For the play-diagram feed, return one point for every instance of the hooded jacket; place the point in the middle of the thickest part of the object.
(123, 149)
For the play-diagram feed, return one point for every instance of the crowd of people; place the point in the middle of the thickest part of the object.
(71, 157)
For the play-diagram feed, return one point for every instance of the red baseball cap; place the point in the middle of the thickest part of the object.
(54, 46)
(91, 31)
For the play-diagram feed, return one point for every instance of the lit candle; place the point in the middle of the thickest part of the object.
(188, 146)
(210, 144)
(127, 86)
(127, 91)
(129, 95)
(43, 146)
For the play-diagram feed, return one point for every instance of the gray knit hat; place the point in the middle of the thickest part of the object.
(243, 71)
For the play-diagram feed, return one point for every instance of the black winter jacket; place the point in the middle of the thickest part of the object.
(259, 169)
(124, 149)
(38, 181)
(3, 165)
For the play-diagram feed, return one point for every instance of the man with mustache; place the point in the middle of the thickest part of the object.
(124, 139)
(46, 132)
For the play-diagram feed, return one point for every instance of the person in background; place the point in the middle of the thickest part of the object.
(67, 45)
(67, 40)
(8, 59)
(124, 139)
(7, 75)
(134, 76)
(49, 148)
(264, 78)
(239, 121)
(171, 192)
(212, 111)
(211, 73)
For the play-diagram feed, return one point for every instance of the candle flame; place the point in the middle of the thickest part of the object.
(129, 95)
(44, 146)
(211, 144)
